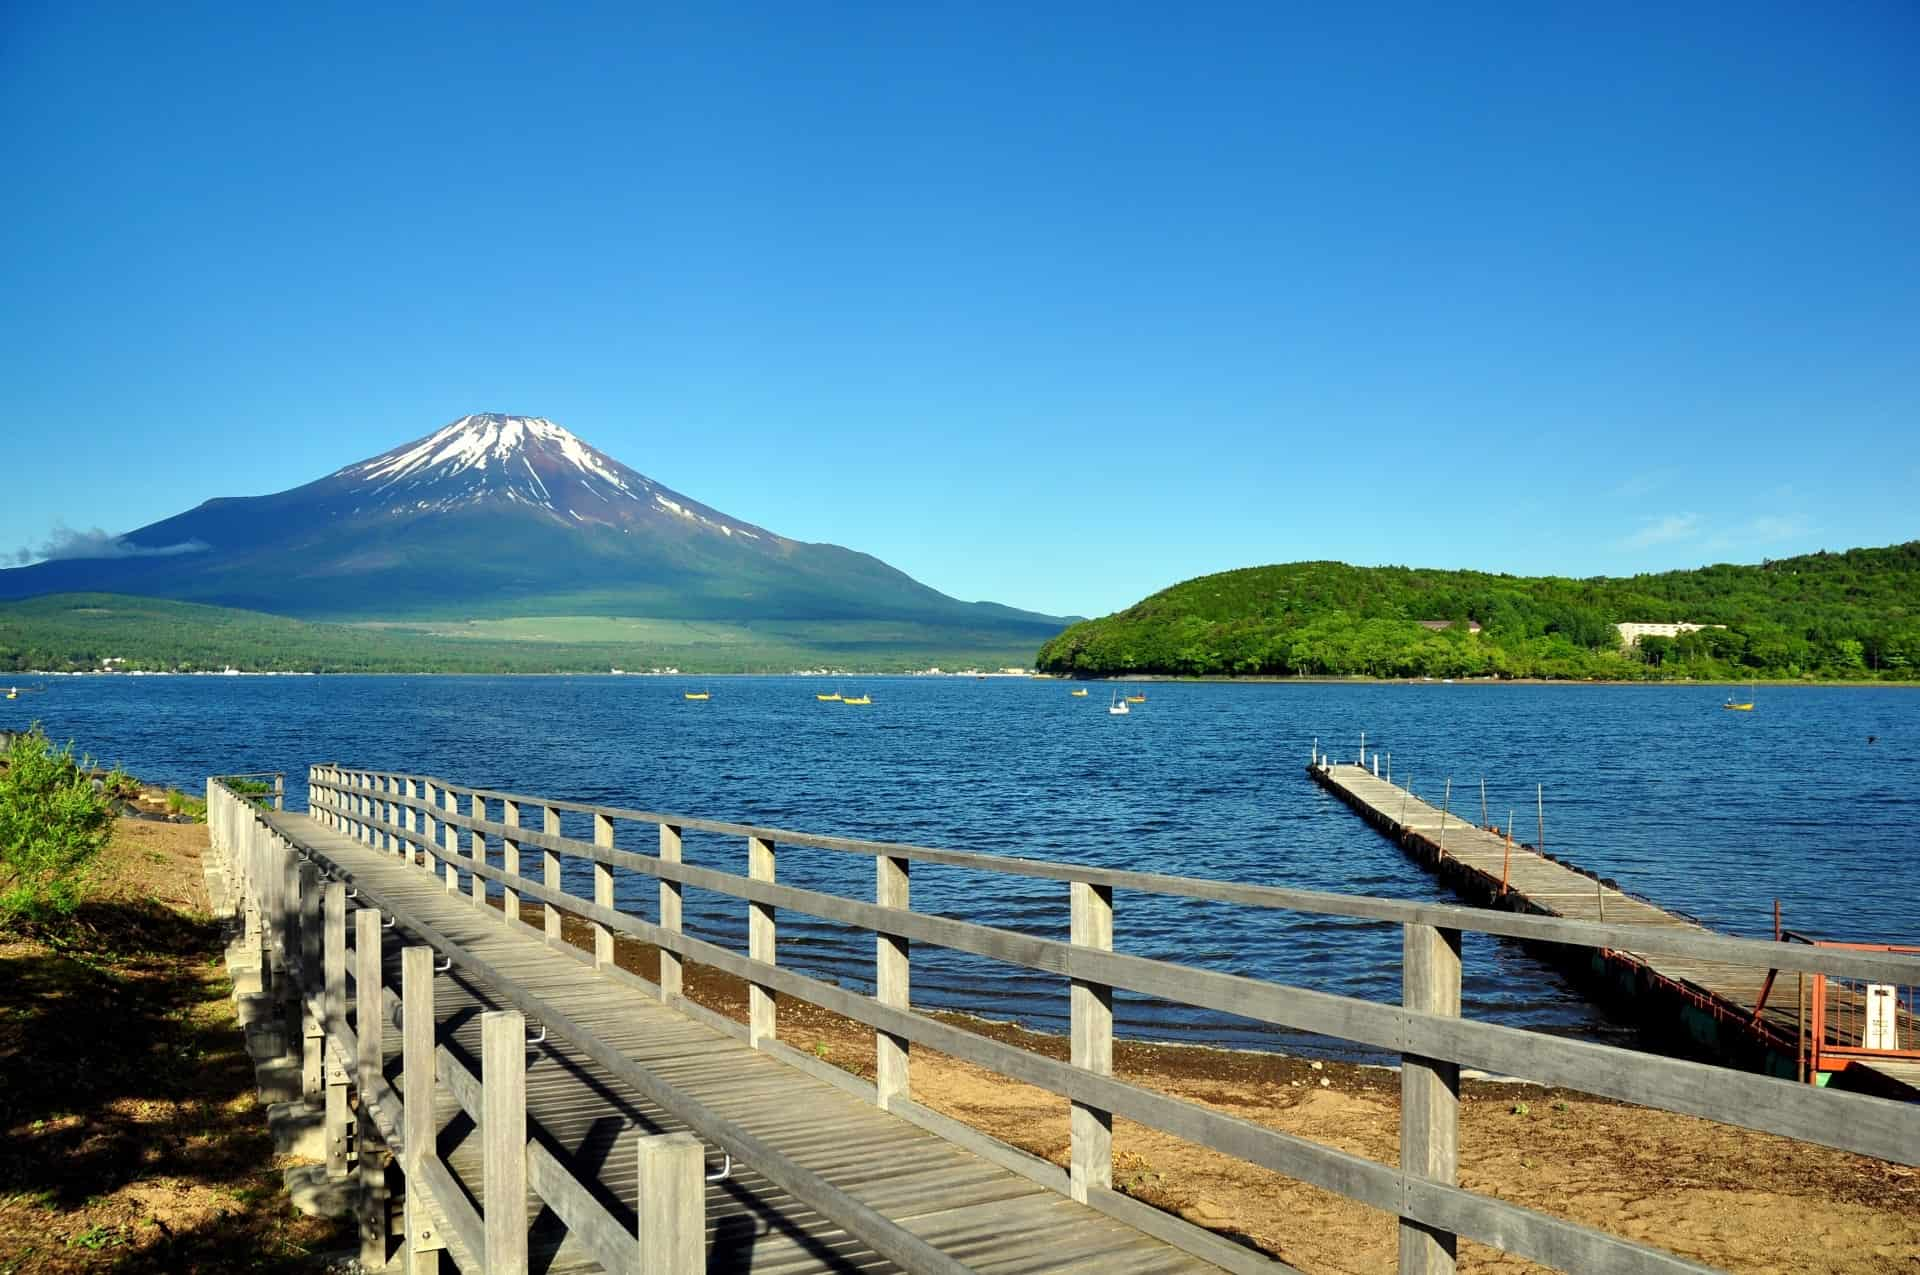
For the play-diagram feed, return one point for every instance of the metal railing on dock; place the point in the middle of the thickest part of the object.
(424, 821)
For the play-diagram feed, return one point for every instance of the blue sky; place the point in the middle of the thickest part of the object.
(1054, 305)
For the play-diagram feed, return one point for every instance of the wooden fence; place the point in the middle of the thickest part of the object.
(425, 819)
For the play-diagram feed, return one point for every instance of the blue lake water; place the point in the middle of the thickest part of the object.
(1712, 813)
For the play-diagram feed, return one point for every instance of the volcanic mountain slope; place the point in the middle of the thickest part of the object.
(500, 515)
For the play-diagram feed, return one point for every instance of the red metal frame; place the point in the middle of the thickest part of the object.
(1823, 1057)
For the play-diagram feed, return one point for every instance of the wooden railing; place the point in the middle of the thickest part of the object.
(297, 919)
(421, 817)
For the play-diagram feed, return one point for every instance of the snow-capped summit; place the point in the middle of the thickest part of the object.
(489, 457)
(494, 514)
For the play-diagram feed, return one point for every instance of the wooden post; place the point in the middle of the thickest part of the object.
(672, 1208)
(416, 791)
(477, 842)
(509, 863)
(1446, 804)
(287, 921)
(369, 1026)
(671, 969)
(760, 943)
(550, 870)
(431, 832)
(333, 1004)
(1429, 1093)
(452, 802)
(892, 981)
(1092, 1045)
(312, 1083)
(279, 792)
(602, 892)
(418, 1077)
(503, 1135)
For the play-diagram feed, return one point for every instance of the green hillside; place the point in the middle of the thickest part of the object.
(1852, 615)
(75, 632)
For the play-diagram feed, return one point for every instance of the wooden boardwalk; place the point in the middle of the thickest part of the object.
(979, 1213)
(1492, 869)
(579, 1096)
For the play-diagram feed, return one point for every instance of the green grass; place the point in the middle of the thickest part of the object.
(79, 631)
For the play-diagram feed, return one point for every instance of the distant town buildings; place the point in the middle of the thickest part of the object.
(1631, 633)
(1441, 626)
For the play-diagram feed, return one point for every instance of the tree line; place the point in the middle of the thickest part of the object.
(1842, 616)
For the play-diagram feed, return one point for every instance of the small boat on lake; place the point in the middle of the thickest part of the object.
(1141, 698)
(857, 699)
(698, 695)
(1118, 707)
(1738, 706)
(829, 699)
(1078, 694)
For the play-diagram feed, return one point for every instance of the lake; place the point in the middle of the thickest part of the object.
(1706, 812)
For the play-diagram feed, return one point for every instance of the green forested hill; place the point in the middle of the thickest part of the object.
(1826, 615)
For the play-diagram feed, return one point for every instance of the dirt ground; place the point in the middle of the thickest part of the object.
(130, 1136)
(133, 1141)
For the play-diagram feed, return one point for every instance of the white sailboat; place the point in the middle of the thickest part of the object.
(1118, 707)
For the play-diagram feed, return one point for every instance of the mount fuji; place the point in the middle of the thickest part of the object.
(496, 515)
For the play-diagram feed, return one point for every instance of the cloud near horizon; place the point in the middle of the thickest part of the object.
(64, 542)
(1664, 530)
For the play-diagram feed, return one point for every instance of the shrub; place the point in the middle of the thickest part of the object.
(54, 821)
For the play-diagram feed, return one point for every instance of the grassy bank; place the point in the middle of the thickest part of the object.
(130, 1136)
(77, 632)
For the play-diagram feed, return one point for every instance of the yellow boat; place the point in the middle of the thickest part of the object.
(829, 699)
(698, 695)
(857, 699)
(1136, 699)
(1078, 694)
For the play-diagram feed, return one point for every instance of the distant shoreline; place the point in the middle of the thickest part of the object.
(1117, 680)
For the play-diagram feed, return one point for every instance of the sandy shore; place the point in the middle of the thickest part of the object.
(1728, 1197)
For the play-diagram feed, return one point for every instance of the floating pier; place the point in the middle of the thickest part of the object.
(1743, 1014)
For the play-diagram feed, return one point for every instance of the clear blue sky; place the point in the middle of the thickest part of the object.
(1049, 304)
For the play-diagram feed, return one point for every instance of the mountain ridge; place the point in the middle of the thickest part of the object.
(495, 514)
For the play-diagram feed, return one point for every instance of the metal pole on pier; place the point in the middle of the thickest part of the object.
(1483, 801)
(1506, 859)
(1540, 800)
(1446, 803)
(1363, 748)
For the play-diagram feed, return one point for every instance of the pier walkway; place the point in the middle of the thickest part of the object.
(1742, 1010)
(495, 1099)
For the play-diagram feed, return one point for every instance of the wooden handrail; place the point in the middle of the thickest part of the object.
(1424, 1029)
(1848, 1122)
(1757, 953)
